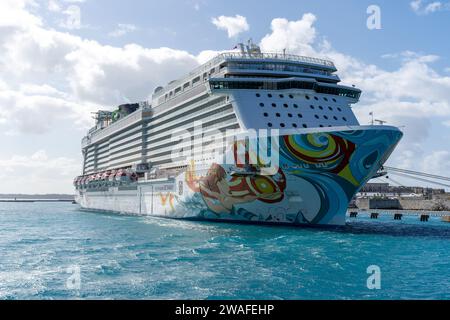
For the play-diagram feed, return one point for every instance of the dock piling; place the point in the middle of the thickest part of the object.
(374, 215)
(353, 214)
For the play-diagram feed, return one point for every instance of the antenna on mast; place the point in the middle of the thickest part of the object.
(380, 122)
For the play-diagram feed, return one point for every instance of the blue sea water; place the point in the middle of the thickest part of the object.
(127, 257)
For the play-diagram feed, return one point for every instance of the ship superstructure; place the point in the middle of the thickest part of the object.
(325, 156)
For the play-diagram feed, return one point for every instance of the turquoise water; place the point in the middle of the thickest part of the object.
(152, 258)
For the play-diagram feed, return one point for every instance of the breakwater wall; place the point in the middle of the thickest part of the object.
(404, 204)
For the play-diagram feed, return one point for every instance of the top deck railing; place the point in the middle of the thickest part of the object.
(244, 55)
(280, 56)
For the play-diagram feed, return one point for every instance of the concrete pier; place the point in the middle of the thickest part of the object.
(423, 215)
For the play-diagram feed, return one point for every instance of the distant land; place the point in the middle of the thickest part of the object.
(37, 196)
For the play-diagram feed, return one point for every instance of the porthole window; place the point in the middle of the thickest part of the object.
(291, 96)
(269, 95)
(325, 98)
(334, 100)
(274, 105)
(281, 96)
(300, 115)
(326, 117)
(344, 118)
(282, 125)
(277, 115)
(321, 125)
(261, 104)
(295, 106)
(315, 98)
(312, 107)
(307, 97)
(330, 108)
(316, 116)
(290, 115)
(335, 118)
(339, 109)
(320, 107)
(305, 126)
(266, 114)
(258, 95)
(294, 125)
(285, 105)
(269, 124)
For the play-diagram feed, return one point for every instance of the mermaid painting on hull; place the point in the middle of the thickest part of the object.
(221, 192)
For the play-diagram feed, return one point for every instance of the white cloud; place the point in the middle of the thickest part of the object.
(233, 25)
(34, 109)
(72, 20)
(23, 173)
(13, 14)
(83, 75)
(416, 5)
(434, 6)
(122, 29)
(54, 6)
(294, 36)
(437, 162)
(426, 7)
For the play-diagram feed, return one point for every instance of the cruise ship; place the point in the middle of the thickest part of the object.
(246, 137)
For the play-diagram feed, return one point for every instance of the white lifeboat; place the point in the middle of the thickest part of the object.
(111, 176)
(104, 178)
(90, 180)
(122, 176)
(78, 182)
(134, 177)
(83, 182)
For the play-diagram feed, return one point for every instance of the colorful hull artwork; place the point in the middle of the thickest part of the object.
(318, 175)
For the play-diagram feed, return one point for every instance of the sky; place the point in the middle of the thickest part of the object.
(60, 60)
